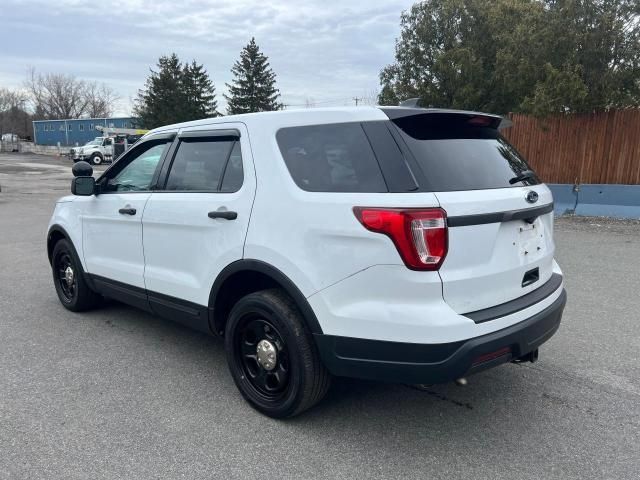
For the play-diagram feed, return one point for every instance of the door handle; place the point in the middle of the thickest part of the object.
(127, 211)
(227, 215)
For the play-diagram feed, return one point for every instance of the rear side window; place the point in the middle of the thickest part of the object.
(331, 158)
(201, 164)
(462, 152)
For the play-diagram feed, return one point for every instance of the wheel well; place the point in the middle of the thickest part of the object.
(54, 237)
(247, 277)
(233, 289)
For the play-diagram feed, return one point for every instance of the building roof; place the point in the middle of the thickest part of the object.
(82, 119)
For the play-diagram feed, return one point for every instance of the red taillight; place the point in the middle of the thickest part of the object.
(420, 235)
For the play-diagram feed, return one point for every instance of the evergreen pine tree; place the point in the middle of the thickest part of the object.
(200, 92)
(162, 100)
(175, 93)
(254, 86)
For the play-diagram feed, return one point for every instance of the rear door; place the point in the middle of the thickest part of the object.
(195, 223)
(500, 229)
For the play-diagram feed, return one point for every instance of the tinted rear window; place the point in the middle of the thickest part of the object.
(456, 152)
(331, 158)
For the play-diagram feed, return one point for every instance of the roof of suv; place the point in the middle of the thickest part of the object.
(284, 118)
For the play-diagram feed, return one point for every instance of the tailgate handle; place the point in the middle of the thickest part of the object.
(532, 276)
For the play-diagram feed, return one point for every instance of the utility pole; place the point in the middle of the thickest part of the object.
(357, 100)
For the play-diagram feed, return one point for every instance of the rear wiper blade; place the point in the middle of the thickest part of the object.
(524, 175)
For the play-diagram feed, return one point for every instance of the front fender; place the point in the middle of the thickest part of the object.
(66, 221)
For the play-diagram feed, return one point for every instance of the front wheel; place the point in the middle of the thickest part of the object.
(96, 159)
(68, 278)
(272, 356)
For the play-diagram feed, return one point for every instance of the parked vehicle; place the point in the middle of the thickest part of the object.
(102, 149)
(97, 151)
(10, 137)
(74, 152)
(397, 244)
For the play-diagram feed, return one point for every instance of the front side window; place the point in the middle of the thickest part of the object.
(137, 174)
(331, 158)
(201, 165)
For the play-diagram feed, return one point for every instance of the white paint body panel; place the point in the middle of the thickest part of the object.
(393, 303)
(354, 279)
(486, 263)
(111, 241)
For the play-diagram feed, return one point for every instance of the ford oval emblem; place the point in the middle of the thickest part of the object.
(532, 197)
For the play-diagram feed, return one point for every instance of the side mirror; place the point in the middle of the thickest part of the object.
(83, 186)
(82, 169)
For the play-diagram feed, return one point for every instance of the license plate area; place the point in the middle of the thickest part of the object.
(531, 243)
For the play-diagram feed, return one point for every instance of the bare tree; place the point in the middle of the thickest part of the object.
(59, 96)
(56, 95)
(100, 100)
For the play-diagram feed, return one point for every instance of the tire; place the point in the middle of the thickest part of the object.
(75, 295)
(297, 379)
(96, 159)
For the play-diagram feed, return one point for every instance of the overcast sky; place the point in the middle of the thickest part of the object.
(325, 50)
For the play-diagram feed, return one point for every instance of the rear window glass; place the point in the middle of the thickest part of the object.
(458, 152)
(331, 158)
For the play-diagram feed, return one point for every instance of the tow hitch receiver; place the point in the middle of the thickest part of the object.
(529, 357)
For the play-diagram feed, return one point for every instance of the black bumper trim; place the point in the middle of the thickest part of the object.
(519, 303)
(400, 362)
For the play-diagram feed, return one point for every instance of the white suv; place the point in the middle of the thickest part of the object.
(397, 244)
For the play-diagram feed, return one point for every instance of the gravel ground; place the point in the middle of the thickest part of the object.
(117, 393)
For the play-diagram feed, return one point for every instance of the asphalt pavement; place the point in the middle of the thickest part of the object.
(117, 393)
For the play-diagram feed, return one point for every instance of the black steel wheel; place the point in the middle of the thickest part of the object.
(263, 355)
(69, 279)
(272, 356)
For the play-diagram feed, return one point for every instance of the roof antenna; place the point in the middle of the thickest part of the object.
(411, 102)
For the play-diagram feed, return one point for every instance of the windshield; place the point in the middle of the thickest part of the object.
(95, 141)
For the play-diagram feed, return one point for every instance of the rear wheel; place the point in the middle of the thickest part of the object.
(272, 357)
(68, 278)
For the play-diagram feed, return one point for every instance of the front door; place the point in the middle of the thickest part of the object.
(196, 221)
(112, 220)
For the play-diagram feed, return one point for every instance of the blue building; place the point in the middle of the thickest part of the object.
(74, 131)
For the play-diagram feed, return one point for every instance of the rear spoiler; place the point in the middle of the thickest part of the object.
(409, 108)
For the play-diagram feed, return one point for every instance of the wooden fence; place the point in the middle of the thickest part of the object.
(594, 148)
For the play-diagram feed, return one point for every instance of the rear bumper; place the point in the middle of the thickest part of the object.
(401, 362)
